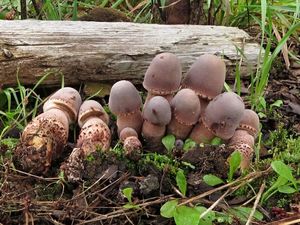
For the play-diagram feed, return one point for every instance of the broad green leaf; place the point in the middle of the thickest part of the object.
(168, 209)
(234, 163)
(284, 171)
(181, 181)
(128, 193)
(243, 213)
(286, 189)
(277, 103)
(169, 142)
(186, 216)
(212, 180)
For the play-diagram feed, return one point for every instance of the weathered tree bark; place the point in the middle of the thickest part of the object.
(91, 51)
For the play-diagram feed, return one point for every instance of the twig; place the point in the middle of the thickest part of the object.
(261, 190)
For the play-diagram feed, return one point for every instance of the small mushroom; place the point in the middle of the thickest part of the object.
(66, 99)
(42, 141)
(206, 77)
(244, 137)
(163, 76)
(185, 113)
(156, 114)
(131, 142)
(221, 117)
(125, 102)
(91, 108)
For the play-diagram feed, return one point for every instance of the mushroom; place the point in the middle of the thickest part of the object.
(66, 99)
(244, 137)
(125, 102)
(94, 135)
(206, 77)
(42, 141)
(131, 142)
(156, 114)
(185, 113)
(221, 118)
(163, 76)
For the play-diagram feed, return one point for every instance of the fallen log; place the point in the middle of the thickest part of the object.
(95, 52)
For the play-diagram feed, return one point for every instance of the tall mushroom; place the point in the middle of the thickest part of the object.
(125, 102)
(156, 114)
(163, 76)
(206, 77)
(244, 137)
(44, 138)
(185, 113)
(221, 118)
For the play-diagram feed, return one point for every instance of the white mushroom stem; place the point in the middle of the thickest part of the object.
(133, 120)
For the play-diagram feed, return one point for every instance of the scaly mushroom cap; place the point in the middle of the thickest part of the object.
(127, 132)
(94, 135)
(157, 111)
(186, 107)
(206, 76)
(240, 137)
(124, 98)
(66, 99)
(163, 76)
(42, 141)
(223, 114)
(250, 122)
(91, 108)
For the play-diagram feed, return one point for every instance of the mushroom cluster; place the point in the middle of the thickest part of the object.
(191, 107)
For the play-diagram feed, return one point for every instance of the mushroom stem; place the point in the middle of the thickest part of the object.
(42, 141)
(133, 120)
(151, 95)
(201, 134)
(179, 130)
(153, 133)
(203, 102)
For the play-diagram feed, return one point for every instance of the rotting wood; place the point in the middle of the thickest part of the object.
(91, 51)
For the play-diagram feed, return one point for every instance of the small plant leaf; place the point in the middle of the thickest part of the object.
(284, 171)
(169, 142)
(168, 209)
(216, 141)
(277, 103)
(188, 144)
(127, 192)
(208, 218)
(286, 189)
(181, 181)
(234, 163)
(212, 180)
(186, 216)
(130, 206)
(243, 213)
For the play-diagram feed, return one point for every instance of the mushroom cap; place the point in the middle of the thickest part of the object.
(241, 137)
(94, 133)
(157, 111)
(223, 114)
(67, 99)
(186, 107)
(124, 98)
(91, 108)
(127, 132)
(163, 75)
(250, 122)
(206, 76)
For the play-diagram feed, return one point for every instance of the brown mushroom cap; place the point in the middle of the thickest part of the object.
(206, 76)
(186, 107)
(240, 137)
(124, 98)
(91, 108)
(157, 111)
(163, 76)
(223, 114)
(67, 99)
(250, 122)
(127, 132)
